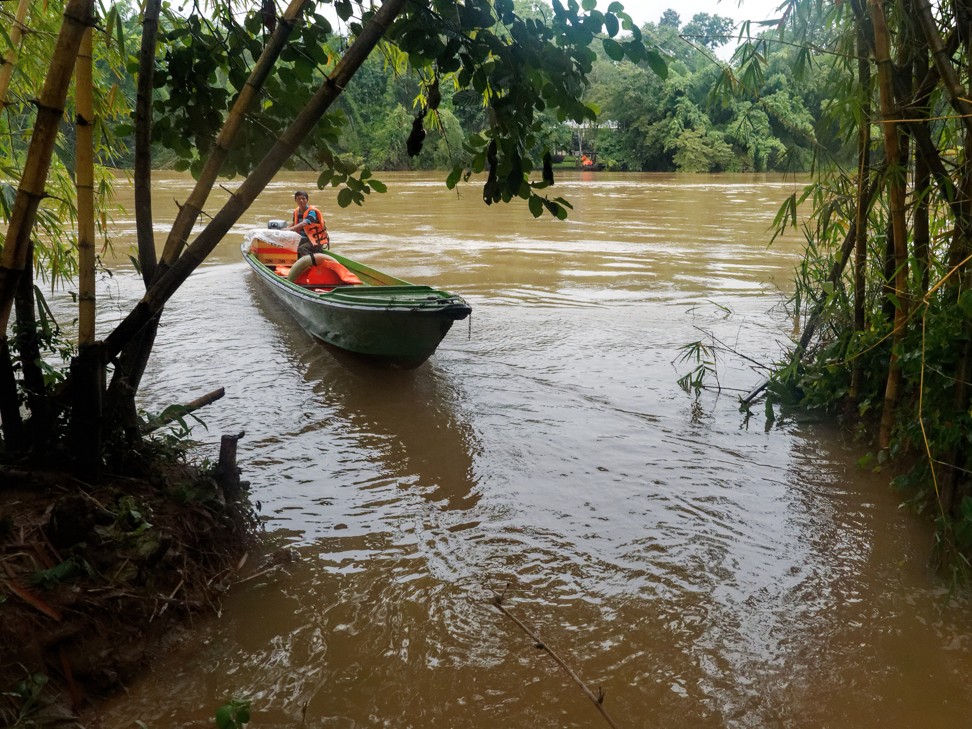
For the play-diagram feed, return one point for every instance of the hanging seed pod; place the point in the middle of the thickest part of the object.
(413, 145)
(434, 95)
(491, 191)
(548, 169)
(269, 13)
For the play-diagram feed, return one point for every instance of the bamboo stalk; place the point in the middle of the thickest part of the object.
(860, 239)
(168, 283)
(10, 57)
(50, 109)
(927, 78)
(957, 95)
(896, 194)
(84, 176)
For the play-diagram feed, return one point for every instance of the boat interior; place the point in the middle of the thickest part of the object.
(318, 272)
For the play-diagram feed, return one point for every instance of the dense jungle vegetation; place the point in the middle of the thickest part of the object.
(661, 115)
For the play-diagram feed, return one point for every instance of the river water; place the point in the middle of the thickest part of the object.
(704, 568)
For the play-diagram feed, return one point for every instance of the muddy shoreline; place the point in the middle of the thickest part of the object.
(95, 580)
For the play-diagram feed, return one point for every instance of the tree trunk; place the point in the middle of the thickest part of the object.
(129, 367)
(170, 281)
(11, 422)
(896, 195)
(29, 349)
(863, 174)
(143, 142)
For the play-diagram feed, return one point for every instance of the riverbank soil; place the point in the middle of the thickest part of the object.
(95, 580)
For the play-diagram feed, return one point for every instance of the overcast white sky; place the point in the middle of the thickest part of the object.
(649, 11)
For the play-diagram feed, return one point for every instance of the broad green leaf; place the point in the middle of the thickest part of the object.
(453, 179)
(656, 63)
(536, 205)
(613, 49)
(611, 24)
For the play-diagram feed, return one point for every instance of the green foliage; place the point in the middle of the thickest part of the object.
(27, 695)
(60, 573)
(54, 243)
(704, 359)
(234, 714)
(859, 347)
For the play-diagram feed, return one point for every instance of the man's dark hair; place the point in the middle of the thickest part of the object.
(301, 192)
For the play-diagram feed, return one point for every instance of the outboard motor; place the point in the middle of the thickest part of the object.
(276, 224)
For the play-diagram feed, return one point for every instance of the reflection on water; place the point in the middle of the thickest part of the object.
(705, 569)
(408, 420)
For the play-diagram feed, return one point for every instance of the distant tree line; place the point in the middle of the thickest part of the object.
(665, 117)
(679, 121)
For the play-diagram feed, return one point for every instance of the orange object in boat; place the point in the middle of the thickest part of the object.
(327, 272)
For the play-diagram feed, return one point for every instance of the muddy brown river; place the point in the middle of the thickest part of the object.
(704, 568)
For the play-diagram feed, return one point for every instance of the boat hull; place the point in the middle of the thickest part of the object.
(398, 323)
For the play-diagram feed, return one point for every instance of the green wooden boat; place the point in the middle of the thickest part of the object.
(356, 308)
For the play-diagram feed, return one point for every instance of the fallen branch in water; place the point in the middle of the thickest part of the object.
(598, 698)
(175, 412)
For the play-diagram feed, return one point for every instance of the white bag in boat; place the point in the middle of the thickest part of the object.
(286, 239)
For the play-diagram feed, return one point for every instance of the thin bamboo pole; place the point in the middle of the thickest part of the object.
(957, 95)
(10, 57)
(597, 699)
(896, 194)
(863, 168)
(84, 176)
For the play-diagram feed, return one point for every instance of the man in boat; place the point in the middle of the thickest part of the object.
(309, 222)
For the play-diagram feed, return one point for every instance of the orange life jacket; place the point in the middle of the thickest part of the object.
(326, 272)
(316, 232)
